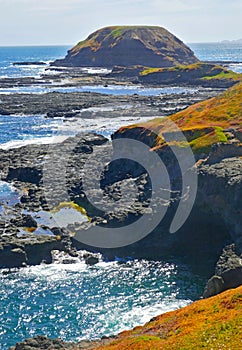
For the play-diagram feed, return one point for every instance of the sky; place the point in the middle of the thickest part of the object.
(65, 22)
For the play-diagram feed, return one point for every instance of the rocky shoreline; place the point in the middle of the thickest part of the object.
(70, 104)
(209, 242)
(217, 183)
(16, 168)
(200, 246)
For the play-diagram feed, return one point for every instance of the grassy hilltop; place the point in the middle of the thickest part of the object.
(127, 46)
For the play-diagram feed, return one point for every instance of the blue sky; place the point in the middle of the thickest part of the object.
(39, 22)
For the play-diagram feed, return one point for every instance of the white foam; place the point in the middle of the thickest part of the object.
(100, 124)
(109, 90)
(33, 141)
(96, 70)
(53, 272)
(139, 315)
(236, 67)
(4, 184)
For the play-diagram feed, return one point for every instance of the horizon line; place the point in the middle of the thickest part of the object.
(71, 45)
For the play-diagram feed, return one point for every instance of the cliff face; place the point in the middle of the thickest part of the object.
(213, 131)
(128, 46)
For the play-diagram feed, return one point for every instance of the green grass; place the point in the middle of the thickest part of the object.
(224, 75)
(116, 32)
(200, 70)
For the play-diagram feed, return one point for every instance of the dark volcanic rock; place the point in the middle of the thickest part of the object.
(90, 259)
(29, 63)
(55, 104)
(43, 343)
(128, 46)
(28, 249)
(203, 74)
(214, 222)
(228, 273)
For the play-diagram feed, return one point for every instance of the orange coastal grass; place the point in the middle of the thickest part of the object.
(206, 121)
(214, 323)
(222, 111)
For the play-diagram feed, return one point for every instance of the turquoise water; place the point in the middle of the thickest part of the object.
(75, 301)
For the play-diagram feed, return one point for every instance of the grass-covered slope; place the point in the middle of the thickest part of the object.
(129, 45)
(214, 324)
(224, 110)
(204, 123)
(198, 73)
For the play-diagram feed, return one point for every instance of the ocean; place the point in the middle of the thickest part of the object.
(76, 301)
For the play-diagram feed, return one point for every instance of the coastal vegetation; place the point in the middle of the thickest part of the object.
(127, 46)
(205, 123)
(213, 323)
(199, 73)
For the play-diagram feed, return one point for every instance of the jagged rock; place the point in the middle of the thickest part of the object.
(228, 273)
(42, 342)
(26, 220)
(215, 219)
(129, 46)
(215, 285)
(28, 249)
(229, 260)
(91, 259)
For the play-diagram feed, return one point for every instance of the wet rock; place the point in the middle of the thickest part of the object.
(26, 220)
(27, 249)
(61, 257)
(42, 343)
(57, 105)
(27, 63)
(25, 174)
(215, 219)
(91, 259)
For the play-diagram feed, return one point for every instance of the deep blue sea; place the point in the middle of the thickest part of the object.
(75, 301)
(9, 55)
